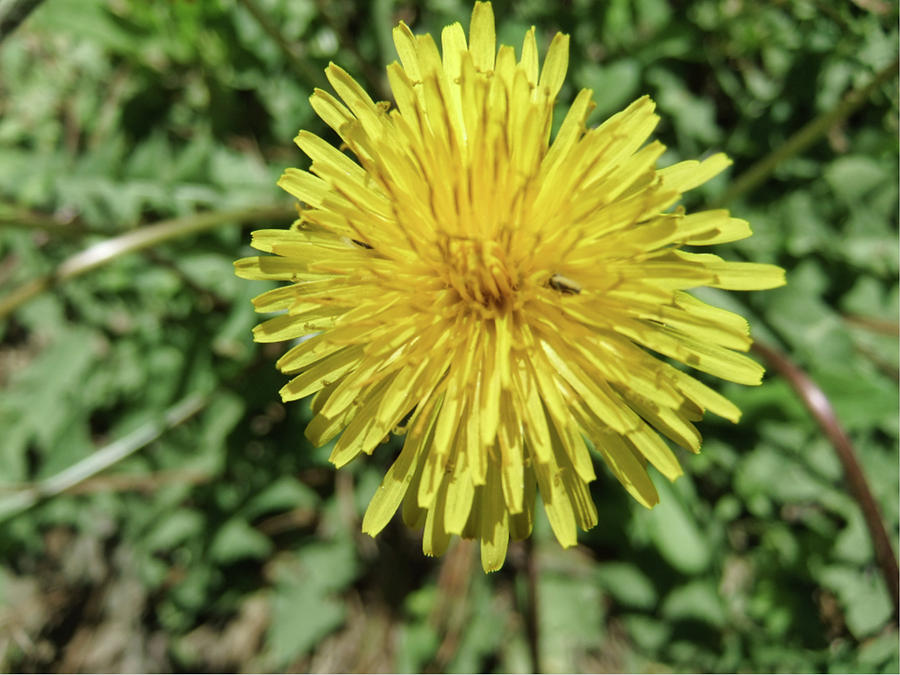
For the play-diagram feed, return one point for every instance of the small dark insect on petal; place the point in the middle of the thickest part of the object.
(361, 244)
(564, 285)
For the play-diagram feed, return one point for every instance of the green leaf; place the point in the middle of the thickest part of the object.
(869, 298)
(861, 399)
(694, 117)
(675, 532)
(647, 632)
(881, 652)
(870, 240)
(867, 606)
(697, 600)
(301, 617)
(805, 321)
(173, 530)
(417, 644)
(284, 493)
(614, 85)
(479, 639)
(304, 609)
(853, 544)
(330, 565)
(237, 540)
(224, 412)
(563, 631)
(43, 404)
(772, 473)
(627, 584)
(804, 223)
(851, 177)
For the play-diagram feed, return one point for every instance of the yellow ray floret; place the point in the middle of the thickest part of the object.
(497, 298)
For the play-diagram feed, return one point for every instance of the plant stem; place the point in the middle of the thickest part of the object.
(805, 137)
(142, 238)
(29, 220)
(820, 407)
(874, 325)
(103, 458)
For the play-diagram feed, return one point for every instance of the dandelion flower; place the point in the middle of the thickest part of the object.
(499, 299)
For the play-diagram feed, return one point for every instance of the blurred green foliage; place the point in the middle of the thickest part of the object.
(228, 543)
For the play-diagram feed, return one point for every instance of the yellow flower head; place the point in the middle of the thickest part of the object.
(496, 297)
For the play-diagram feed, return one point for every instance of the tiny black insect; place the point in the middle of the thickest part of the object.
(563, 284)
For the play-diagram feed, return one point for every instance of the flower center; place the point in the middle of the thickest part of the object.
(480, 271)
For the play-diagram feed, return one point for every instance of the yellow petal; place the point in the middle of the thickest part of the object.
(405, 42)
(460, 494)
(494, 524)
(325, 372)
(390, 493)
(687, 175)
(304, 186)
(529, 58)
(651, 446)
(482, 38)
(436, 538)
(625, 466)
(520, 524)
(270, 268)
(555, 65)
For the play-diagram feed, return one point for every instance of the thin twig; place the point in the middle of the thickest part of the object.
(121, 482)
(11, 216)
(288, 521)
(805, 137)
(310, 76)
(881, 326)
(818, 404)
(103, 458)
(136, 240)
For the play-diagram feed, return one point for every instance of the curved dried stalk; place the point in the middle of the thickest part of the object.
(11, 216)
(136, 240)
(820, 407)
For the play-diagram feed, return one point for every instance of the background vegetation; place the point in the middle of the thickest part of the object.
(219, 540)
